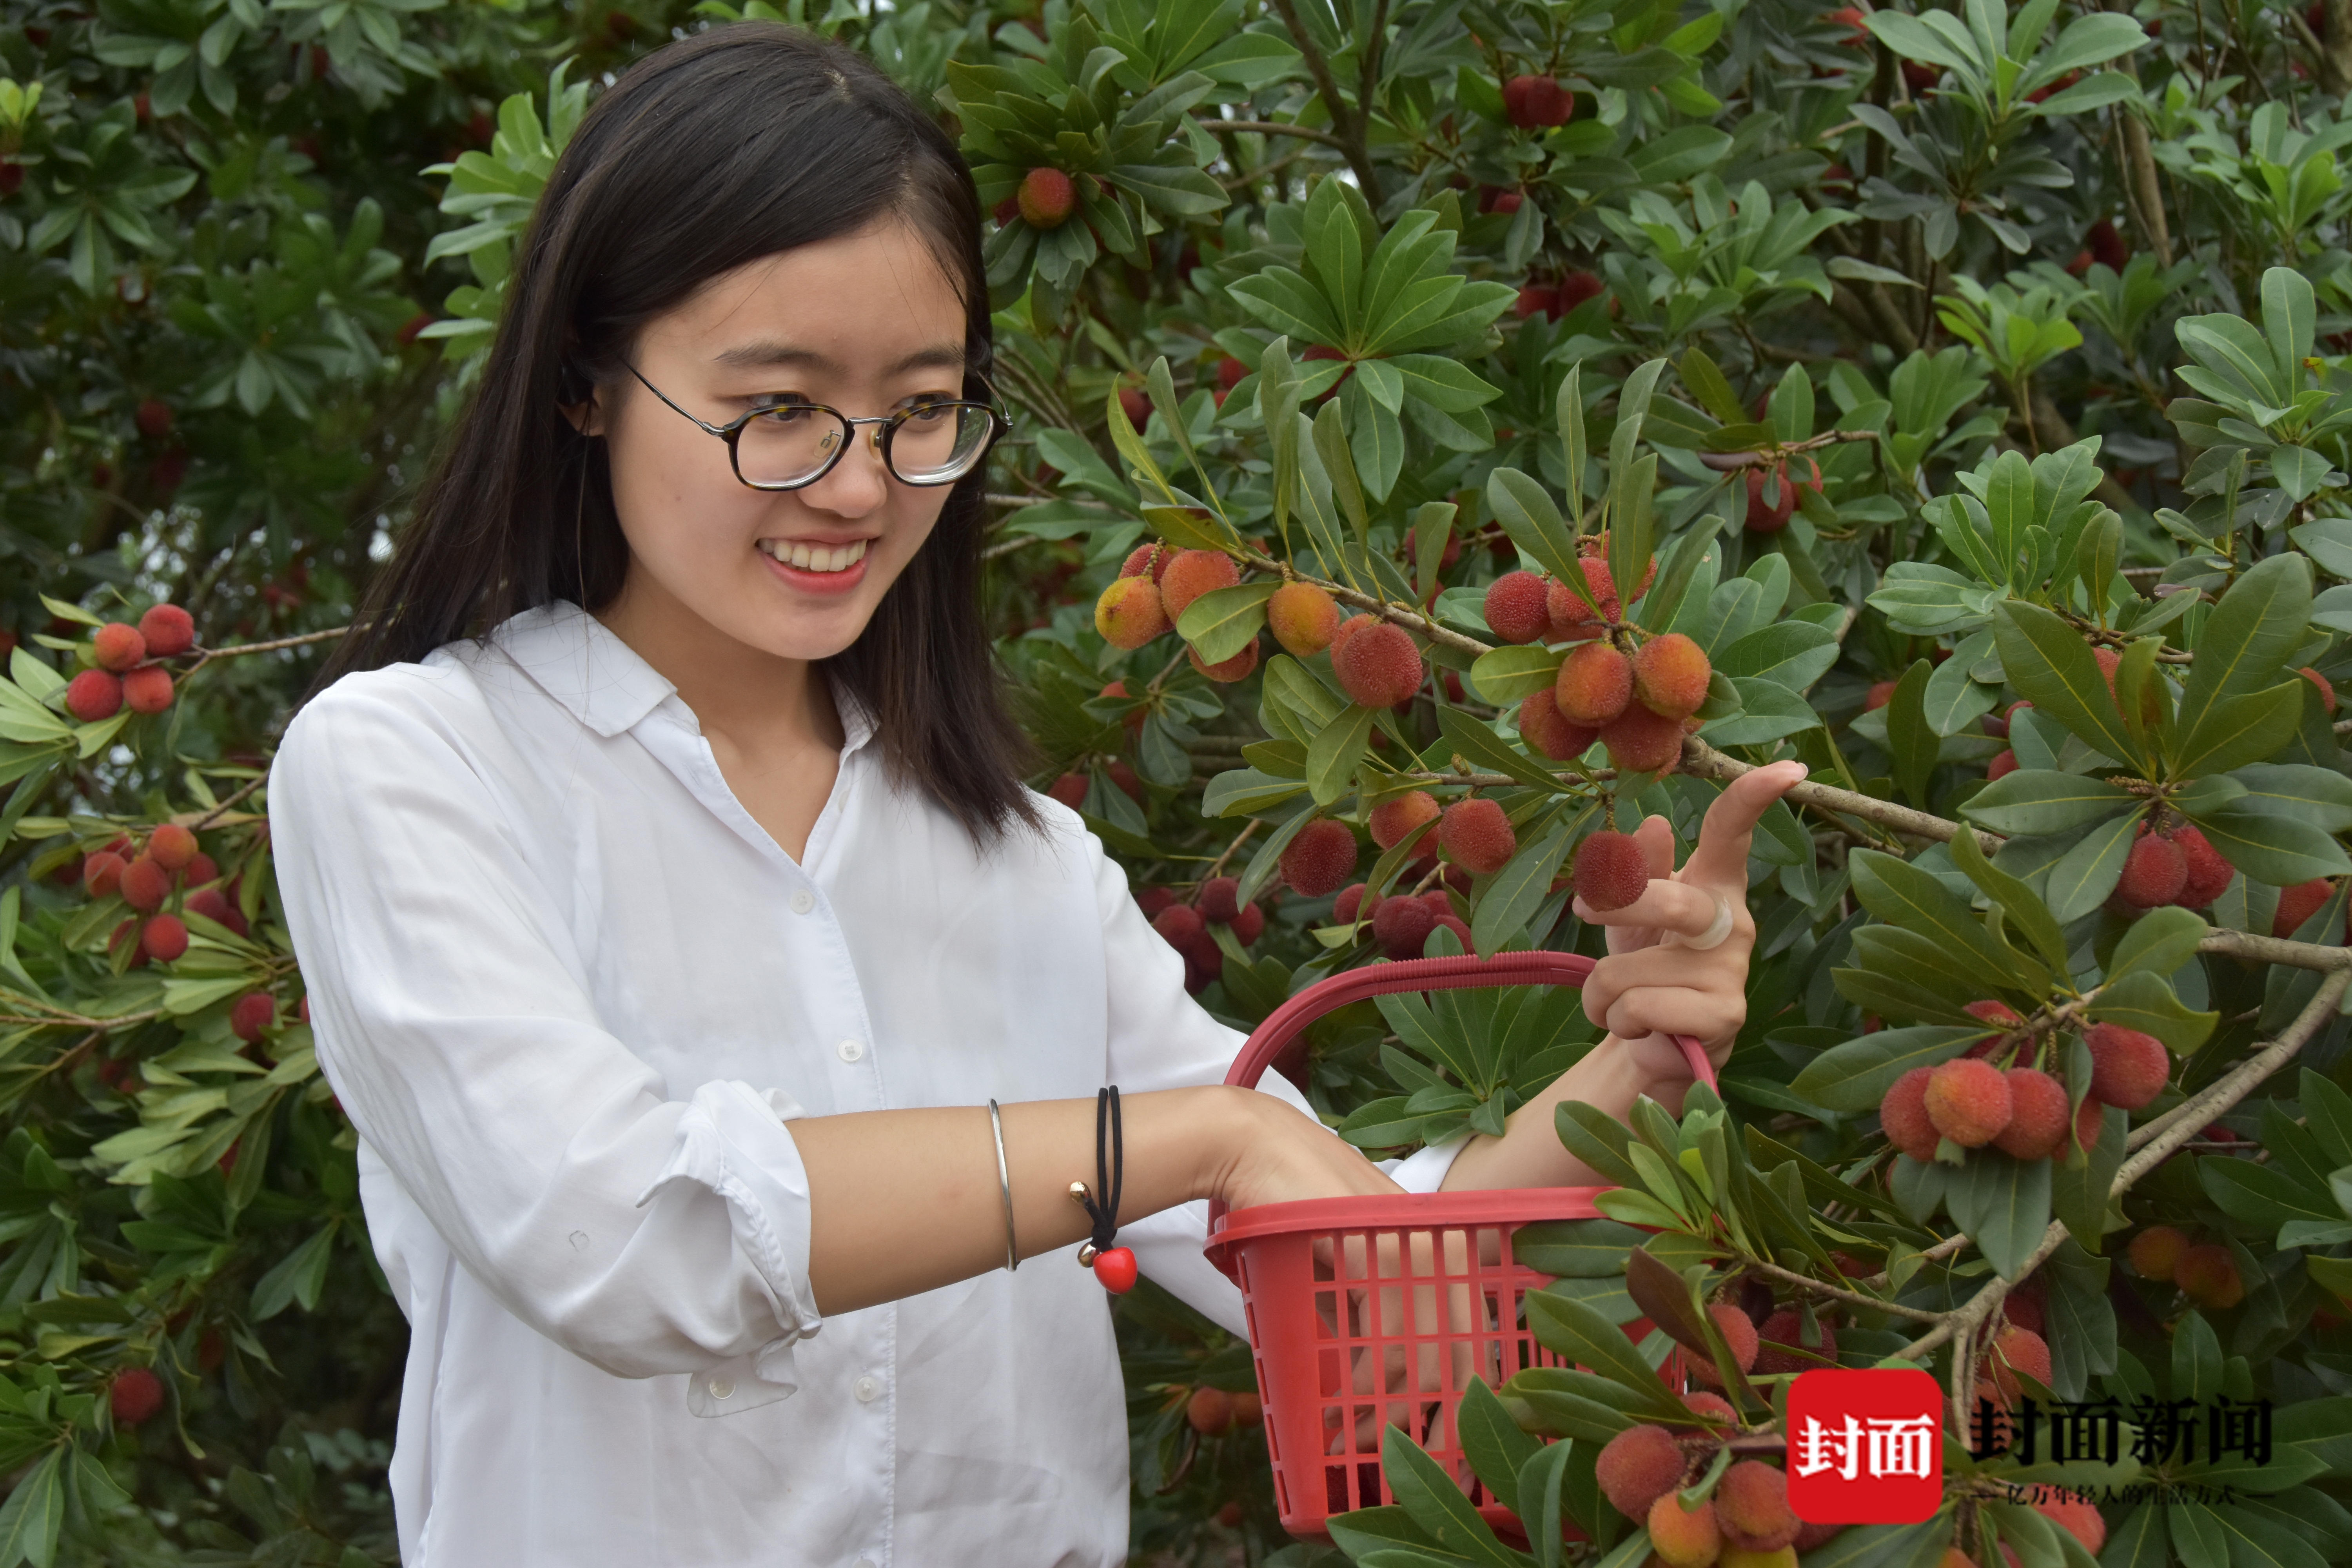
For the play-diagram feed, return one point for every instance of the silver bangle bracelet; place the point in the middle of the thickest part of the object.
(1004, 1186)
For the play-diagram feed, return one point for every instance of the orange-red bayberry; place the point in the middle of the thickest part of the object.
(1220, 899)
(1349, 904)
(251, 1017)
(1880, 694)
(1318, 860)
(1130, 613)
(1781, 1344)
(164, 938)
(2090, 1120)
(117, 646)
(1395, 818)
(94, 694)
(1070, 789)
(1152, 559)
(2108, 661)
(213, 905)
(1969, 1101)
(2208, 1275)
(168, 631)
(1226, 672)
(1739, 1331)
(1210, 1411)
(1401, 925)
(1046, 198)
(1681, 1537)
(1303, 618)
(101, 872)
(2154, 873)
(1514, 607)
(2039, 1114)
(2154, 1253)
(1992, 1011)
(2001, 767)
(135, 1395)
(1641, 741)
(2018, 1351)
(2208, 874)
(1769, 517)
(1476, 835)
(1712, 1406)
(1378, 665)
(1637, 1466)
(1904, 1115)
(2296, 904)
(1751, 1503)
(1570, 616)
(1670, 675)
(2127, 1067)
(148, 688)
(1533, 103)
(2326, 692)
(1179, 925)
(172, 846)
(1611, 870)
(1193, 573)
(1543, 726)
(1577, 287)
(144, 885)
(1594, 684)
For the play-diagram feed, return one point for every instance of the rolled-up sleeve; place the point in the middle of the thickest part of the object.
(1162, 1038)
(454, 1018)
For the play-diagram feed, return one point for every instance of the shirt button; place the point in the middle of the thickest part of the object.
(866, 1388)
(851, 1050)
(722, 1388)
(804, 901)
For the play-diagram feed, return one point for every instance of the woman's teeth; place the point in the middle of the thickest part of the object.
(816, 557)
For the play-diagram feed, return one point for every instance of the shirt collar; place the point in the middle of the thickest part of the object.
(602, 682)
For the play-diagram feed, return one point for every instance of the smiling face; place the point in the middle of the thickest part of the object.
(867, 324)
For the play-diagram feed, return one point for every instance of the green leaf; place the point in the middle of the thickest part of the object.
(2052, 666)
(295, 1279)
(1431, 1500)
(1576, 1249)
(2088, 872)
(2004, 1204)
(2146, 1001)
(2278, 849)
(2246, 638)
(1224, 621)
(1332, 755)
(1855, 1077)
(1705, 382)
(35, 1513)
(1910, 739)
(1508, 675)
(2159, 941)
(2321, 796)
(1529, 515)
(2019, 901)
(2039, 800)
(1497, 1450)
(1900, 892)
(1520, 889)
(2239, 729)
(1573, 1330)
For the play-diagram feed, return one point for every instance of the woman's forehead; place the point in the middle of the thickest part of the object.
(876, 302)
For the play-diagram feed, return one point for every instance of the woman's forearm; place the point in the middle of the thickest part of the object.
(1529, 1154)
(902, 1202)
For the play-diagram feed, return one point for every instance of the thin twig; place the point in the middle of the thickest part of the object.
(1853, 1298)
(1217, 867)
(224, 807)
(1275, 128)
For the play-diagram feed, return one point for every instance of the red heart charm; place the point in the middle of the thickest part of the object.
(1115, 1269)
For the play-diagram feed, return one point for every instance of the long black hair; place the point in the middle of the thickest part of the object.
(737, 144)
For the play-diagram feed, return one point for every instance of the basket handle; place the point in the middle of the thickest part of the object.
(1287, 1022)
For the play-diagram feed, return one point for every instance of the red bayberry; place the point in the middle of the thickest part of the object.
(93, 695)
(1047, 199)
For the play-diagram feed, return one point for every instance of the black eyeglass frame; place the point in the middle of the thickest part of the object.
(732, 433)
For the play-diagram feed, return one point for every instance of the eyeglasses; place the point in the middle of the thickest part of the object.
(790, 445)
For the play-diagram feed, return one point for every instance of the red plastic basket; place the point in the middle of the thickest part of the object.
(1365, 1313)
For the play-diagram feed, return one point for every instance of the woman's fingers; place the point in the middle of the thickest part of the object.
(1716, 970)
(1675, 1010)
(1720, 861)
(1664, 906)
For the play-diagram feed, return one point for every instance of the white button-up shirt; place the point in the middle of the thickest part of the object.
(569, 992)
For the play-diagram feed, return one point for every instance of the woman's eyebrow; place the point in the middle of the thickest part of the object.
(768, 354)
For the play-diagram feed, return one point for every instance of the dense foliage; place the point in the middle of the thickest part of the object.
(1909, 367)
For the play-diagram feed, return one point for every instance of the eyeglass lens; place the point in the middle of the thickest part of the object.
(792, 443)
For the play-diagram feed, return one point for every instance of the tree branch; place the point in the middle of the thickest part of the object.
(1348, 122)
(1277, 127)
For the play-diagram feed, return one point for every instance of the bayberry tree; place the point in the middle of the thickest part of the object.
(1445, 437)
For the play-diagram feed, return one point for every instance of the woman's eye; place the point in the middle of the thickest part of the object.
(928, 410)
(782, 410)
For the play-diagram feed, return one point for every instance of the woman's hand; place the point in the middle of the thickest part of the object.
(1651, 987)
(1266, 1152)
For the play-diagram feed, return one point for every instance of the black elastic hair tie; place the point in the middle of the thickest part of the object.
(1113, 1266)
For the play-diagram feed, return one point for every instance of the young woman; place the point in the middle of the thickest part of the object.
(672, 911)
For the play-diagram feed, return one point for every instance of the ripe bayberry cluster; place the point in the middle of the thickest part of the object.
(1638, 704)
(2205, 1271)
(1473, 835)
(1773, 493)
(1400, 923)
(1156, 585)
(1185, 927)
(1213, 1412)
(1972, 1102)
(126, 665)
(146, 879)
(1746, 1521)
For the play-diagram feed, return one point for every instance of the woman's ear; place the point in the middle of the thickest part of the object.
(587, 417)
